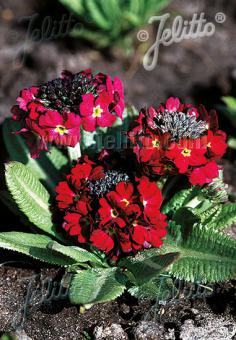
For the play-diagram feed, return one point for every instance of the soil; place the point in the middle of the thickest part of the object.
(200, 71)
(60, 320)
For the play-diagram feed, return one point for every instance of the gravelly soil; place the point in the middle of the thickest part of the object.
(60, 320)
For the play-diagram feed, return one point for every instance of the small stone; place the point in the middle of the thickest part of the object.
(208, 326)
(21, 335)
(149, 330)
(112, 332)
(125, 309)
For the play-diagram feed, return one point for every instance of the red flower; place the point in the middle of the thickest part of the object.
(139, 235)
(173, 104)
(95, 112)
(74, 225)
(65, 196)
(155, 236)
(150, 196)
(204, 174)
(176, 139)
(61, 129)
(109, 214)
(84, 172)
(101, 240)
(187, 153)
(52, 112)
(117, 221)
(123, 195)
(27, 96)
(151, 147)
(116, 91)
(215, 143)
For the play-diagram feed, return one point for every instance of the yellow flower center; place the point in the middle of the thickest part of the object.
(114, 213)
(61, 129)
(156, 143)
(186, 152)
(125, 201)
(97, 111)
(209, 145)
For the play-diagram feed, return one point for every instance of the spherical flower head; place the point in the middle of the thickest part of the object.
(56, 111)
(110, 210)
(177, 138)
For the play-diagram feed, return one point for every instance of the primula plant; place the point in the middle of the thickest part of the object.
(124, 219)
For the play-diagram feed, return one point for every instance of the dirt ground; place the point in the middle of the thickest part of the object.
(199, 70)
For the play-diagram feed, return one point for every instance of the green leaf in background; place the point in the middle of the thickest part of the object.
(232, 143)
(33, 245)
(96, 286)
(30, 196)
(46, 168)
(8, 337)
(230, 102)
(111, 21)
(231, 109)
(147, 265)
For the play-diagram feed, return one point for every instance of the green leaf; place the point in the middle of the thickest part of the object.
(231, 109)
(93, 7)
(210, 215)
(147, 265)
(111, 21)
(225, 218)
(78, 254)
(230, 102)
(96, 286)
(46, 168)
(30, 196)
(206, 255)
(186, 218)
(33, 245)
(181, 198)
(75, 6)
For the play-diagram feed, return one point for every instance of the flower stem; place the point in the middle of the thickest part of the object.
(169, 184)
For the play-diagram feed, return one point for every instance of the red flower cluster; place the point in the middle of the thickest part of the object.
(105, 209)
(179, 139)
(55, 111)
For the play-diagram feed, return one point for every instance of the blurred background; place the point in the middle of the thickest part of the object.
(34, 48)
